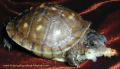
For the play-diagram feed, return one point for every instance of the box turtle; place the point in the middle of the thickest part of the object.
(57, 33)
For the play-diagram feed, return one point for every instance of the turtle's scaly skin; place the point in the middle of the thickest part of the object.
(48, 31)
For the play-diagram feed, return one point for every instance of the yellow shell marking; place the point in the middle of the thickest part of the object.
(25, 25)
(38, 28)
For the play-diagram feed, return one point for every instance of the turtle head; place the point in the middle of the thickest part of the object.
(96, 46)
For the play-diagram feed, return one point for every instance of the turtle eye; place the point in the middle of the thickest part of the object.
(91, 44)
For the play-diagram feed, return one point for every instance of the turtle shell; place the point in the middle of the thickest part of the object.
(48, 30)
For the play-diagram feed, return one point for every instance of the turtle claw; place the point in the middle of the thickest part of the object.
(7, 45)
(73, 62)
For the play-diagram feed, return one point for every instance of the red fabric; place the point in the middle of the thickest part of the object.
(105, 18)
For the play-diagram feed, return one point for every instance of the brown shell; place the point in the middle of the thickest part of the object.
(48, 30)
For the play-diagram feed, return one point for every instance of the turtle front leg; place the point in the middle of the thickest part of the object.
(75, 59)
(71, 58)
(72, 61)
(75, 56)
(7, 44)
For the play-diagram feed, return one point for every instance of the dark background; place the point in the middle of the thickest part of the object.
(105, 19)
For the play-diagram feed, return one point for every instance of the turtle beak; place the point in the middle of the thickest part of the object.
(110, 52)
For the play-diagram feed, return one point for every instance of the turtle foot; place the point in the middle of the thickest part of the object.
(7, 45)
